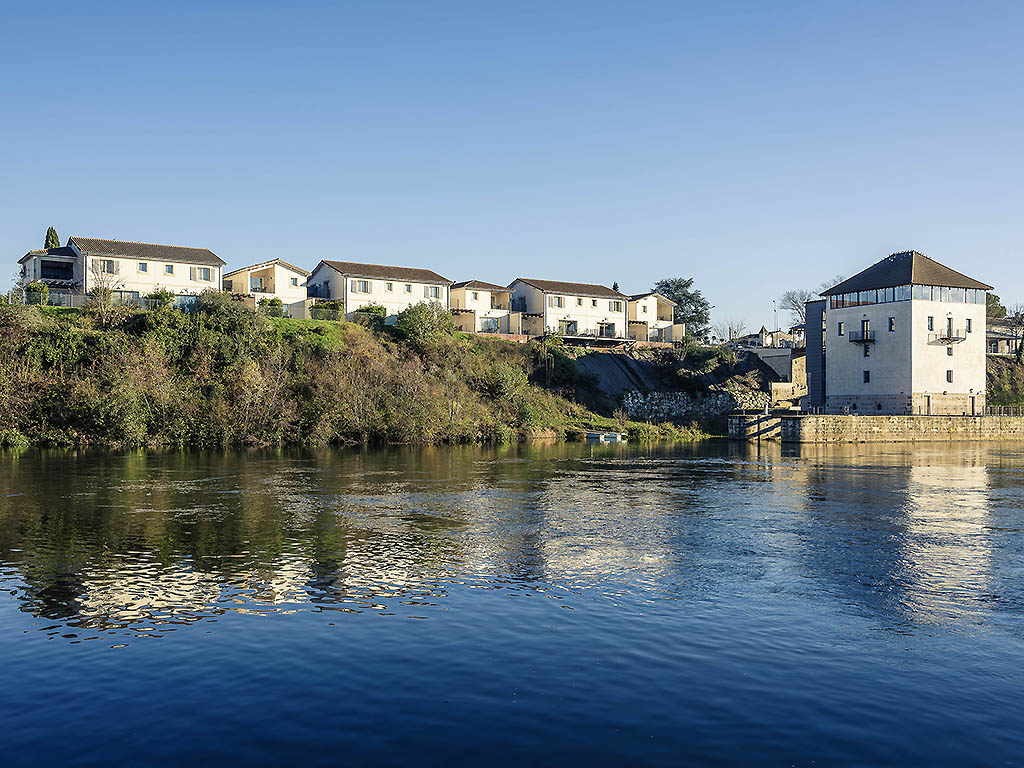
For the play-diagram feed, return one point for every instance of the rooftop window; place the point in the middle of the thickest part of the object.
(907, 292)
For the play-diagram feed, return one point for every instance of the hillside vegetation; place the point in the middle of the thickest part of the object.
(1005, 381)
(227, 376)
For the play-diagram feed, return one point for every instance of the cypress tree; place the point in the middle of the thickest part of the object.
(52, 241)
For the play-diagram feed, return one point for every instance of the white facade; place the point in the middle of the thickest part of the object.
(657, 313)
(359, 285)
(922, 356)
(140, 270)
(573, 309)
(271, 279)
(490, 306)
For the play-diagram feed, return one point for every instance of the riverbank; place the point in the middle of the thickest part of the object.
(227, 376)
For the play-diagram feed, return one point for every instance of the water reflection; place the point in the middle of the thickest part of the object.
(145, 543)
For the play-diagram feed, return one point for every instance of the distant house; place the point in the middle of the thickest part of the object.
(269, 280)
(904, 336)
(1002, 337)
(480, 307)
(570, 309)
(651, 318)
(130, 270)
(359, 285)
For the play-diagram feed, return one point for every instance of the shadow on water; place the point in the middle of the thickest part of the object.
(153, 542)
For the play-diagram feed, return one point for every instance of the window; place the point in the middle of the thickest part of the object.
(579, 302)
(432, 291)
(107, 266)
(867, 377)
(389, 287)
(408, 288)
(949, 376)
(168, 269)
(556, 301)
(931, 323)
(949, 351)
(227, 285)
(892, 324)
(360, 286)
(144, 267)
(476, 295)
(967, 324)
(615, 306)
(842, 329)
(295, 282)
(203, 273)
(593, 302)
(867, 350)
(643, 309)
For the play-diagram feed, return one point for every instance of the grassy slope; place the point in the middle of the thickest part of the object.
(227, 376)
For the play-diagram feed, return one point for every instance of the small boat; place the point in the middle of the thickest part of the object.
(606, 437)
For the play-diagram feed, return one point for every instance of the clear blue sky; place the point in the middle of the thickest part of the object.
(755, 146)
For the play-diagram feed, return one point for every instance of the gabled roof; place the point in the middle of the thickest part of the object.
(61, 251)
(905, 268)
(383, 272)
(571, 289)
(638, 296)
(264, 264)
(146, 251)
(480, 285)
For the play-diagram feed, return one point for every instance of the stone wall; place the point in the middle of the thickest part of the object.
(879, 429)
(683, 408)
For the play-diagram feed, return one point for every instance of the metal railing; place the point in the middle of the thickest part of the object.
(862, 337)
(1004, 410)
(948, 336)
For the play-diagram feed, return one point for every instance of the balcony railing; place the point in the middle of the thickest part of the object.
(948, 336)
(862, 337)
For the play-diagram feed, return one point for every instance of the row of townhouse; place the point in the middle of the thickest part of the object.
(526, 307)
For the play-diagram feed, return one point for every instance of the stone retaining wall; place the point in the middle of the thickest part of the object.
(683, 408)
(876, 429)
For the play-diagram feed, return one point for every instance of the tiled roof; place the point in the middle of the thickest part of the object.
(572, 289)
(638, 296)
(480, 285)
(382, 272)
(263, 264)
(905, 268)
(146, 251)
(61, 251)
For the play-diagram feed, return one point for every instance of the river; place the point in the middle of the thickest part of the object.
(562, 604)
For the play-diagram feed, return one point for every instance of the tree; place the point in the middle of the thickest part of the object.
(1015, 316)
(615, 285)
(52, 241)
(830, 283)
(795, 302)
(691, 306)
(424, 324)
(994, 309)
(729, 329)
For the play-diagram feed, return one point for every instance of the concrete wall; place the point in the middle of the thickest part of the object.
(881, 429)
(931, 361)
(815, 359)
(185, 278)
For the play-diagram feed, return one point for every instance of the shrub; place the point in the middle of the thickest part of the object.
(373, 316)
(160, 299)
(37, 293)
(328, 310)
(273, 307)
(424, 324)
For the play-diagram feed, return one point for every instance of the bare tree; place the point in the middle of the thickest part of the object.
(1015, 321)
(795, 302)
(729, 329)
(830, 283)
(104, 279)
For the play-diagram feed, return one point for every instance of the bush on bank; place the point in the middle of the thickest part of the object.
(225, 375)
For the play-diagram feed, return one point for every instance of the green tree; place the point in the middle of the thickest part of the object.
(52, 241)
(691, 306)
(994, 309)
(424, 324)
(615, 285)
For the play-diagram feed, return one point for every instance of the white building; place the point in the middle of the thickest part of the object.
(651, 318)
(358, 285)
(572, 309)
(480, 307)
(131, 270)
(905, 336)
(274, 279)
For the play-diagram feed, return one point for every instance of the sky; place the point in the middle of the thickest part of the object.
(755, 147)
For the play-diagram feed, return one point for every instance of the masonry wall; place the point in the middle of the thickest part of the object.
(892, 429)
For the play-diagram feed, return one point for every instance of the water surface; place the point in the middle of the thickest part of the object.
(550, 605)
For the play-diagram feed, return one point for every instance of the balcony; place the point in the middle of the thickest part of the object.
(862, 337)
(947, 337)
